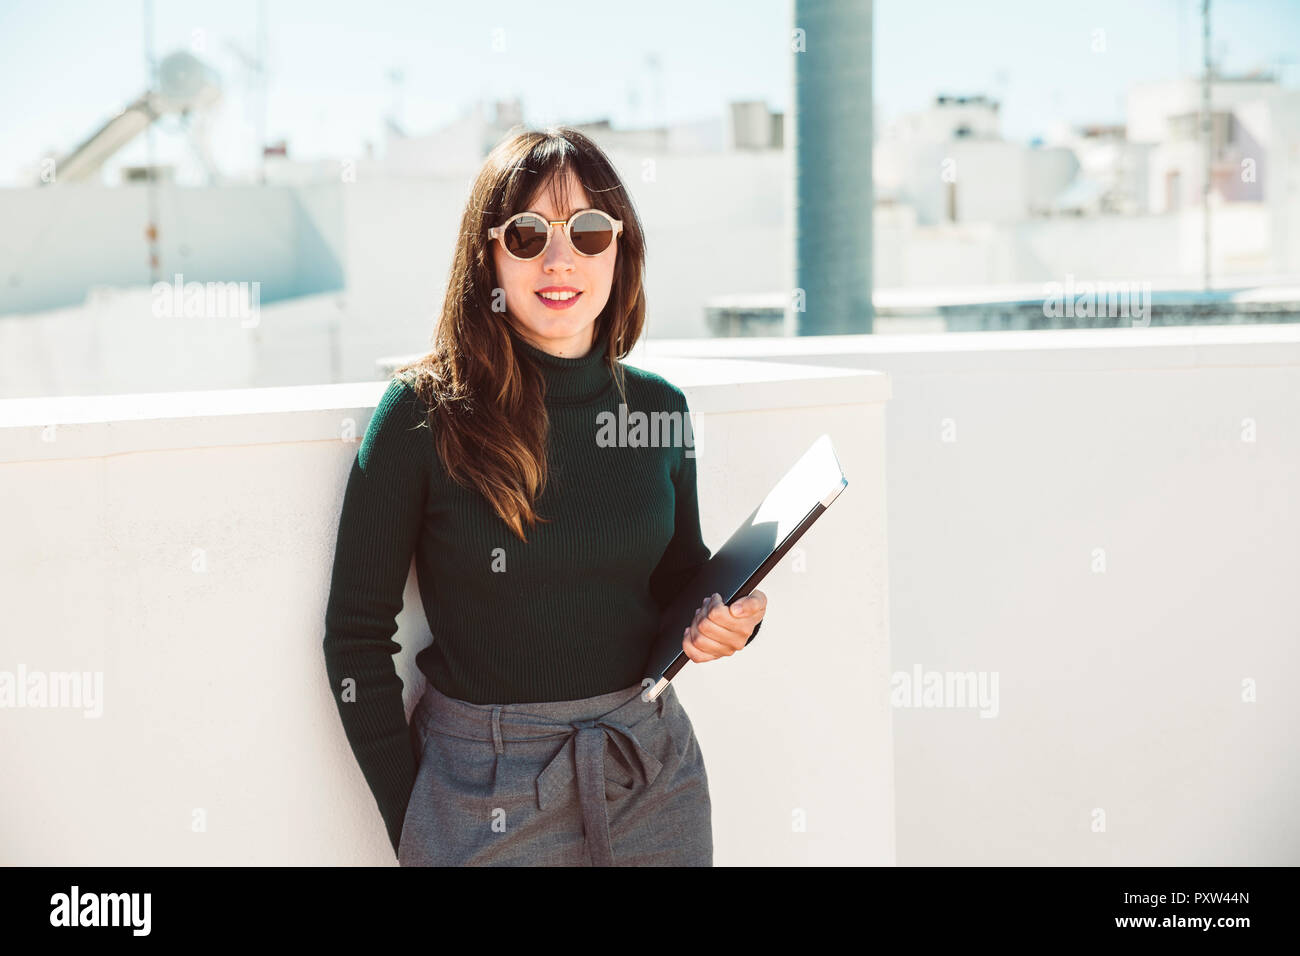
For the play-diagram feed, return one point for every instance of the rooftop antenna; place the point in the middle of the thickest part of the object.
(255, 84)
(633, 99)
(263, 51)
(1208, 143)
(151, 173)
(397, 77)
(654, 68)
(1180, 9)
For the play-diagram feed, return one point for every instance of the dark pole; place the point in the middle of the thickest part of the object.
(832, 199)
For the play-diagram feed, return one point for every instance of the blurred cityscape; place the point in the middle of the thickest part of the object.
(334, 264)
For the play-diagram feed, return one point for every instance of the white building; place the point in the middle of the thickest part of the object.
(951, 164)
(1255, 133)
(1111, 175)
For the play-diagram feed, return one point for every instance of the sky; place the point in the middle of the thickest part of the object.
(67, 66)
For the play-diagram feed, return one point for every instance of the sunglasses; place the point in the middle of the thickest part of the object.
(526, 235)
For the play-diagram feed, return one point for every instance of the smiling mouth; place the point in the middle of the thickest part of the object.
(558, 300)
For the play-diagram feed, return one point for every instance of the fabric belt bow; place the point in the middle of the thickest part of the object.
(583, 756)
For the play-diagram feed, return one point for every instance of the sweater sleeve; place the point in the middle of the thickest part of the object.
(379, 528)
(686, 552)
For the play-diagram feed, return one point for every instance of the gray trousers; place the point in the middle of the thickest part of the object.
(611, 780)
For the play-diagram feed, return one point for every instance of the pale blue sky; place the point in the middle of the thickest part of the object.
(66, 66)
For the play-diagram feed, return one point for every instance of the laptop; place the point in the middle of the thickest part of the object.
(801, 497)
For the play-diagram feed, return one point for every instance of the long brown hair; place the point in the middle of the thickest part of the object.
(485, 396)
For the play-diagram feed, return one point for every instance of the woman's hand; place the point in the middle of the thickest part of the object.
(718, 630)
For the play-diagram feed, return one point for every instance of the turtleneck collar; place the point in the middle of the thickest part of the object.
(571, 381)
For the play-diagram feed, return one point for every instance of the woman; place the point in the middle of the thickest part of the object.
(543, 555)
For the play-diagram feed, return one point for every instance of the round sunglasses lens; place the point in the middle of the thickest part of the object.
(592, 233)
(525, 237)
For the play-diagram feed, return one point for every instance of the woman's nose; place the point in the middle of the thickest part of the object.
(558, 254)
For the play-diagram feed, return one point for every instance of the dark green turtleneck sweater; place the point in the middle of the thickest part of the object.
(569, 614)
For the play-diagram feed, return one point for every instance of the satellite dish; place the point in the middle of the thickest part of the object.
(185, 85)
(185, 82)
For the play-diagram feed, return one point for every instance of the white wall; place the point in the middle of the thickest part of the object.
(57, 242)
(181, 545)
(1120, 690)
(1157, 249)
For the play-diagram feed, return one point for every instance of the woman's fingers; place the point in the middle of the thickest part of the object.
(713, 633)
